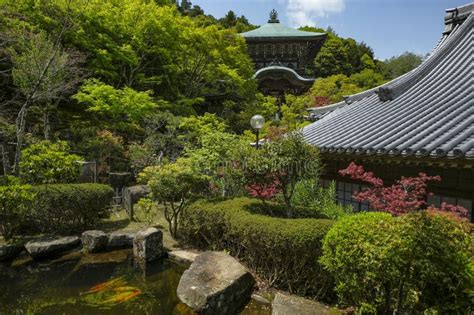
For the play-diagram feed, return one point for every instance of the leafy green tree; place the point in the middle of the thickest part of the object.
(367, 79)
(175, 186)
(229, 20)
(163, 135)
(49, 163)
(15, 203)
(42, 71)
(239, 23)
(145, 207)
(213, 156)
(333, 88)
(265, 105)
(332, 59)
(151, 47)
(7, 134)
(293, 111)
(399, 65)
(195, 127)
(279, 165)
(341, 55)
(117, 104)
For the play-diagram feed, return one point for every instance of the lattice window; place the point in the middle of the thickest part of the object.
(345, 191)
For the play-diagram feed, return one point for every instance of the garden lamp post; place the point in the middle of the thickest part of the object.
(257, 122)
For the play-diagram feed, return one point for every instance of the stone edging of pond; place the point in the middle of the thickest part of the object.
(149, 243)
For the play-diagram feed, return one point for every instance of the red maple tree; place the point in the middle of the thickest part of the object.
(405, 195)
(264, 190)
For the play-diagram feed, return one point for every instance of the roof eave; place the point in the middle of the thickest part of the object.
(285, 38)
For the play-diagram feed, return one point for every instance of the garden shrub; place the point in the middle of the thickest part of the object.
(319, 200)
(49, 163)
(410, 264)
(276, 168)
(283, 251)
(146, 208)
(7, 180)
(69, 207)
(175, 186)
(15, 202)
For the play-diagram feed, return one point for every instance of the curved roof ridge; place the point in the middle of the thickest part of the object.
(399, 84)
(391, 90)
(293, 72)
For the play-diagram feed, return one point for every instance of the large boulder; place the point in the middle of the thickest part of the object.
(94, 241)
(51, 246)
(285, 304)
(216, 283)
(148, 245)
(120, 240)
(9, 251)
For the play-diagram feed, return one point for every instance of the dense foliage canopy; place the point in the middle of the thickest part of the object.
(144, 88)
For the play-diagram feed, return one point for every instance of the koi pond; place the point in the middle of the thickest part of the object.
(105, 283)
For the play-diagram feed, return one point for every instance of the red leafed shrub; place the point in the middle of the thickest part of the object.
(264, 190)
(321, 101)
(406, 195)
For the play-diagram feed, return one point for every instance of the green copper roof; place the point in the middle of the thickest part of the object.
(273, 29)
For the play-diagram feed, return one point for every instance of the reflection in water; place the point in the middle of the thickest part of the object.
(95, 284)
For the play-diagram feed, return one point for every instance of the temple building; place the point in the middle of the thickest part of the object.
(283, 56)
(422, 121)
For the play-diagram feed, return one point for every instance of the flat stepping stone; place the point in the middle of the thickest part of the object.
(182, 256)
(47, 247)
(215, 283)
(285, 304)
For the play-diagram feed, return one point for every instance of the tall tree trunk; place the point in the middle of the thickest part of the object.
(46, 124)
(289, 206)
(20, 133)
(5, 159)
(21, 118)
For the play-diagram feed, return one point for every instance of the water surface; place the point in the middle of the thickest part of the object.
(105, 283)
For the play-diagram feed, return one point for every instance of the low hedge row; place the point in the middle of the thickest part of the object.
(69, 207)
(284, 252)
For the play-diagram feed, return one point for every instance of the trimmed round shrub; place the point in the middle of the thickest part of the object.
(410, 264)
(69, 207)
(283, 251)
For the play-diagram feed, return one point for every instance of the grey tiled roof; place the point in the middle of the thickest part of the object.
(428, 112)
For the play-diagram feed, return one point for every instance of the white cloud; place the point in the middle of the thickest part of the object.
(304, 12)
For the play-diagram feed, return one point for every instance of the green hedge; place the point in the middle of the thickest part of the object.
(285, 252)
(69, 207)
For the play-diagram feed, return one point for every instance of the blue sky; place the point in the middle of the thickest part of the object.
(390, 27)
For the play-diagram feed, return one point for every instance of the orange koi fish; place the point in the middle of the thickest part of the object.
(105, 285)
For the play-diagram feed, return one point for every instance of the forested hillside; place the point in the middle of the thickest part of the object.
(129, 82)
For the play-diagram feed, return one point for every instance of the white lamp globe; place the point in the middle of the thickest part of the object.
(257, 122)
